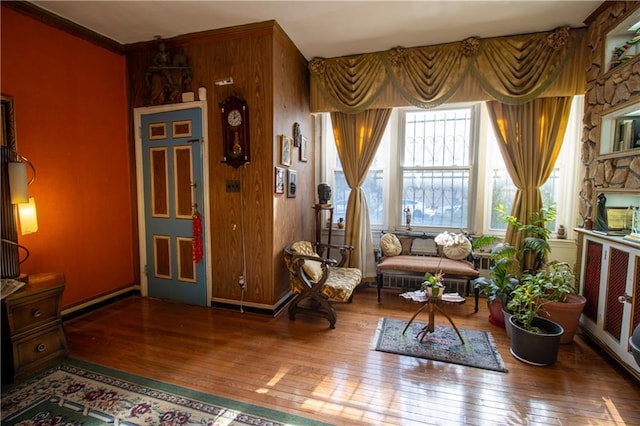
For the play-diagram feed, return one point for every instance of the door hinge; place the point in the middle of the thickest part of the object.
(193, 141)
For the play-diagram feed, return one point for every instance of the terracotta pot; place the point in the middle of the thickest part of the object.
(567, 314)
(495, 313)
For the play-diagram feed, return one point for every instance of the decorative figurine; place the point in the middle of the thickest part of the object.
(341, 223)
(601, 218)
(561, 233)
(324, 193)
(407, 215)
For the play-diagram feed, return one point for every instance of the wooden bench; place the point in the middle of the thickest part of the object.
(418, 253)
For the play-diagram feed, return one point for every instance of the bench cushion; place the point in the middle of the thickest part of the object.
(422, 264)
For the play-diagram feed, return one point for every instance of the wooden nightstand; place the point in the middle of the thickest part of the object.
(32, 333)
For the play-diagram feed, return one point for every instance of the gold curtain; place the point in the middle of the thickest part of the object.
(530, 137)
(514, 69)
(357, 138)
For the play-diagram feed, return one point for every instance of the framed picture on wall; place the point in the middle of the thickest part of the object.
(279, 180)
(304, 149)
(291, 183)
(285, 150)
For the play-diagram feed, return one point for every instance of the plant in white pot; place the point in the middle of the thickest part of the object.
(432, 284)
(534, 339)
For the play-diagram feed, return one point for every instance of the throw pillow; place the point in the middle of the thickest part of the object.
(312, 268)
(459, 249)
(390, 245)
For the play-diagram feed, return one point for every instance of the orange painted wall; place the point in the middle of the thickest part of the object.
(72, 123)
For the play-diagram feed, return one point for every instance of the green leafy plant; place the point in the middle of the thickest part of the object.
(559, 280)
(527, 300)
(432, 284)
(552, 283)
(508, 263)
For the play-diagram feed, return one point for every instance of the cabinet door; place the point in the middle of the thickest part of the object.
(617, 267)
(635, 296)
(591, 281)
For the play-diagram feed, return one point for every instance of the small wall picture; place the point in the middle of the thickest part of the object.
(285, 150)
(157, 131)
(291, 183)
(304, 149)
(279, 180)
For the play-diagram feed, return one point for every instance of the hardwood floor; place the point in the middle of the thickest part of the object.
(303, 367)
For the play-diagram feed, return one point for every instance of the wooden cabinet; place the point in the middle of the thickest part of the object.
(610, 281)
(32, 333)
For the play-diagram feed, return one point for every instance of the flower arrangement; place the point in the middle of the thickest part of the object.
(432, 283)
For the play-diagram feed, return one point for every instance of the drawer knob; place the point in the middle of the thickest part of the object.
(41, 347)
(37, 313)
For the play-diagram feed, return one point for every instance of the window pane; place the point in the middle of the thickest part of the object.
(437, 138)
(504, 191)
(436, 171)
(373, 189)
(436, 197)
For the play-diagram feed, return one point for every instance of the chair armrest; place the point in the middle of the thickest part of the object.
(344, 250)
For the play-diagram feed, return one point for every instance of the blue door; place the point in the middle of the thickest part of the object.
(174, 225)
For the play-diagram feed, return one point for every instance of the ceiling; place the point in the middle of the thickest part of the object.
(327, 28)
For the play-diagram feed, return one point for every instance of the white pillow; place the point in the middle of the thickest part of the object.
(390, 245)
(459, 249)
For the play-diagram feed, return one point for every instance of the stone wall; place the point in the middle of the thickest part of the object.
(606, 90)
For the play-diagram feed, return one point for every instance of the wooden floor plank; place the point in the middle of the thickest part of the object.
(305, 368)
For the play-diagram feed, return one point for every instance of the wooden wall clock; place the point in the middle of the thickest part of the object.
(235, 131)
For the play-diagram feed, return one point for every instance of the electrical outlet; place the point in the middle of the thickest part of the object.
(233, 186)
(241, 282)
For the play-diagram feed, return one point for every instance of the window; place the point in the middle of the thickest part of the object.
(444, 165)
(436, 168)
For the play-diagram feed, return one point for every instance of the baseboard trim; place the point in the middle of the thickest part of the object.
(271, 310)
(99, 302)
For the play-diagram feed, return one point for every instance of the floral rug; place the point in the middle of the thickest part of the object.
(479, 349)
(79, 393)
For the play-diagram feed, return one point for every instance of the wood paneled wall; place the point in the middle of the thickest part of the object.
(271, 74)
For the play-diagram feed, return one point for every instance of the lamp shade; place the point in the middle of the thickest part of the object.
(18, 182)
(28, 217)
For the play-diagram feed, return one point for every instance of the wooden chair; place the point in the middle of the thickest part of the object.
(318, 281)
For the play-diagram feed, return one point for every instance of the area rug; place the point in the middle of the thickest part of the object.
(479, 349)
(79, 393)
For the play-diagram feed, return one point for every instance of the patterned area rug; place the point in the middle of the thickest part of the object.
(79, 393)
(479, 349)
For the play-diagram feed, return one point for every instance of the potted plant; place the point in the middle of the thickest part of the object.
(502, 280)
(564, 304)
(534, 339)
(508, 263)
(432, 284)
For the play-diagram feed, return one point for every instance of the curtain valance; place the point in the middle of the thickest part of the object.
(514, 70)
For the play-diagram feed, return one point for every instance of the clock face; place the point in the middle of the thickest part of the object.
(234, 118)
